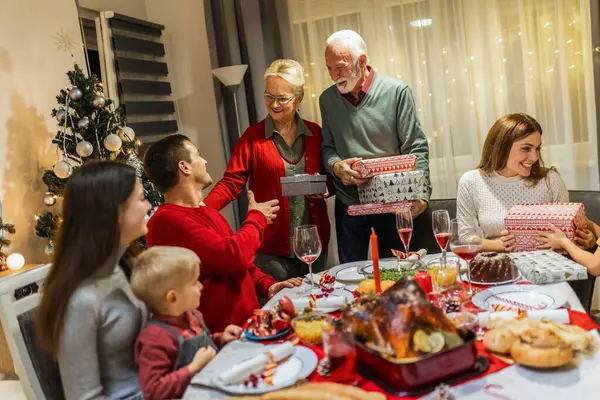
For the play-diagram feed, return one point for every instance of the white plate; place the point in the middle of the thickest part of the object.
(345, 294)
(300, 365)
(349, 272)
(465, 278)
(529, 297)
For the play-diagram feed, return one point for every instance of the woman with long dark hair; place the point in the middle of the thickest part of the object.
(89, 318)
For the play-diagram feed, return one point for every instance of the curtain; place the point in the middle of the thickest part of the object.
(468, 63)
(252, 32)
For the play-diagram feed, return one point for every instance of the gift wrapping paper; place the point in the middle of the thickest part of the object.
(394, 187)
(385, 165)
(303, 185)
(369, 209)
(524, 220)
(547, 266)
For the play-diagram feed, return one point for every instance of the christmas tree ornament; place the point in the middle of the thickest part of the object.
(75, 94)
(112, 142)
(83, 123)
(49, 249)
(61, 114)
(63, 169)
(84, 149)
(15, 261)
(99, 101)
(126, 133)
(49, 199)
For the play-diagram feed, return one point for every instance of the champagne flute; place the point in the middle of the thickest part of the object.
(441, 230)
(307, 247)
(404, 225)
(466, 245)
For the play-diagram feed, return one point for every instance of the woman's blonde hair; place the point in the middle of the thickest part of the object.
(291, 71)
(160, 269)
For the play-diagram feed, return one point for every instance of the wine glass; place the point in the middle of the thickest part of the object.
(441, 229)
(466, 245)
(404, 225)
(307, 247)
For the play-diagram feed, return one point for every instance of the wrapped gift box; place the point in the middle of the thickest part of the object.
(385, 165)
(369, 209)
(303, 185)
(547, 266)
(524, 220)
(394, 187)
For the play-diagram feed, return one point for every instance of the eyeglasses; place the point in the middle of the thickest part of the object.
(283, 100)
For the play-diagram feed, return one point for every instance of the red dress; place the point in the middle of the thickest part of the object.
(231, 280)
(255, 158)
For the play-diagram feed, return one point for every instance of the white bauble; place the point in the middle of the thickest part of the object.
(84, 149)
(126, 133)
(112, 142)
(63, 170)
(15, 261)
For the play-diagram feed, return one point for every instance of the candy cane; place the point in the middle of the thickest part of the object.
(312, 300)
(518, 304)
(487, 389)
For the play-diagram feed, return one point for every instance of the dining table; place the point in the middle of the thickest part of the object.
(501, 380)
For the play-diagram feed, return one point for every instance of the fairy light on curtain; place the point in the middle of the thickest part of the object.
(468, 63)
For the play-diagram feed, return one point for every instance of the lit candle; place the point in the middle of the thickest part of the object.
(375, 256)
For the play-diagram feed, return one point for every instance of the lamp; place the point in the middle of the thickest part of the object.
(232, 77)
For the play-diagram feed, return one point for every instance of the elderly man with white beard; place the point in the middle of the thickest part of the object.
(366, 115)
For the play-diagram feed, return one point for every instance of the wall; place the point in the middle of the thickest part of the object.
(186, 43)
(26, 99)
(131, 8)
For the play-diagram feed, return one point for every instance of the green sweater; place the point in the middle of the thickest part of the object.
(385, 123)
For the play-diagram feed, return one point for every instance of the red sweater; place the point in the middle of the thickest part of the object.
(231, 280)
(156, 351)
(256, 159)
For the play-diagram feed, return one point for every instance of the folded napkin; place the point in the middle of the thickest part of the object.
(413, 255)
(323, 302)
(256, 365)
(317, 277)
(560, 315)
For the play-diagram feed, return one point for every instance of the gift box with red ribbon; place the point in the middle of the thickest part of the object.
(385, 165)
(525, 220)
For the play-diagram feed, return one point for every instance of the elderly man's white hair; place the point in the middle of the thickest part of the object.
(348, 39)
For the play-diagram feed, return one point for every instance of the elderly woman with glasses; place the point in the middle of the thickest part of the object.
(282, 144)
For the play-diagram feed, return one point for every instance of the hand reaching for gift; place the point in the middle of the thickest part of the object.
(418, 207)
(349, 177)
(268, 208)
(553, 239)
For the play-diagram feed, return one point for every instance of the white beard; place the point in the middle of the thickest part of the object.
(351, 82)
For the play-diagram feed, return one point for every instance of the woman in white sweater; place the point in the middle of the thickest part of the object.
(511, 171)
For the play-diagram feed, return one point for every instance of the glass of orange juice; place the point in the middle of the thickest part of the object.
(443, 272)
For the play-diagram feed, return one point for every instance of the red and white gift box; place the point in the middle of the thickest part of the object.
(385, 165)
(524, 220)
(383, 208)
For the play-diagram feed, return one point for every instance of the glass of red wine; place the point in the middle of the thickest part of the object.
(404, 225)
(307, 247)
(466, 244)
(440, 219)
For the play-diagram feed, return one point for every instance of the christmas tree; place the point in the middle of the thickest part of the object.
(90, 128)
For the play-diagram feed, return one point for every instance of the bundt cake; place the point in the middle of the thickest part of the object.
(492, 267)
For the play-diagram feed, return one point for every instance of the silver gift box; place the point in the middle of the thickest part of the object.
(303, 185)
(393, 187)
(547, 266)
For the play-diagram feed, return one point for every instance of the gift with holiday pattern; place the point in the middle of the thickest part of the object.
(525, 220)
(394, 187)
(385, 165)
(370, 209)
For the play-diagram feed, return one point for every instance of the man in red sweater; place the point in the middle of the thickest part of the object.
(232, 283)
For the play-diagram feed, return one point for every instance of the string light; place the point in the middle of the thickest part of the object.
(500, 90)
(453, 80)
(499, 39)
(572, 66)
(504, 60)
(391, 59)
(569, 41)
(424, 62)
(551, 69)
(420, 82)
(443, 51)
(547, 24)
(472, 58)
(472, 103)
(578, 52)
(447, 71)
(314, 95)
(549, 39)
(449, 100)
(430, 94)
(531, 53)
(501, 77)
(520, 33)
(476, 84)
(556, 51)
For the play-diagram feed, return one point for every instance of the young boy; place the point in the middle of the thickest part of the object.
(175, 343)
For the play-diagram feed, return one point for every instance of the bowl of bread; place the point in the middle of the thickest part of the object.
(538, 344)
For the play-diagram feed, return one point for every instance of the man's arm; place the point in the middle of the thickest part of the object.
(410, 133)
(330, 154)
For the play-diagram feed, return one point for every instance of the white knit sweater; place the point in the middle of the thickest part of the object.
(486, 199)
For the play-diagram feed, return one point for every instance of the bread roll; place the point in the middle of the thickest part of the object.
(499, 340)
(541, 348)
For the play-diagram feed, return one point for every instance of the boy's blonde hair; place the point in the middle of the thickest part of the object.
(160, 269)
(291, 71)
